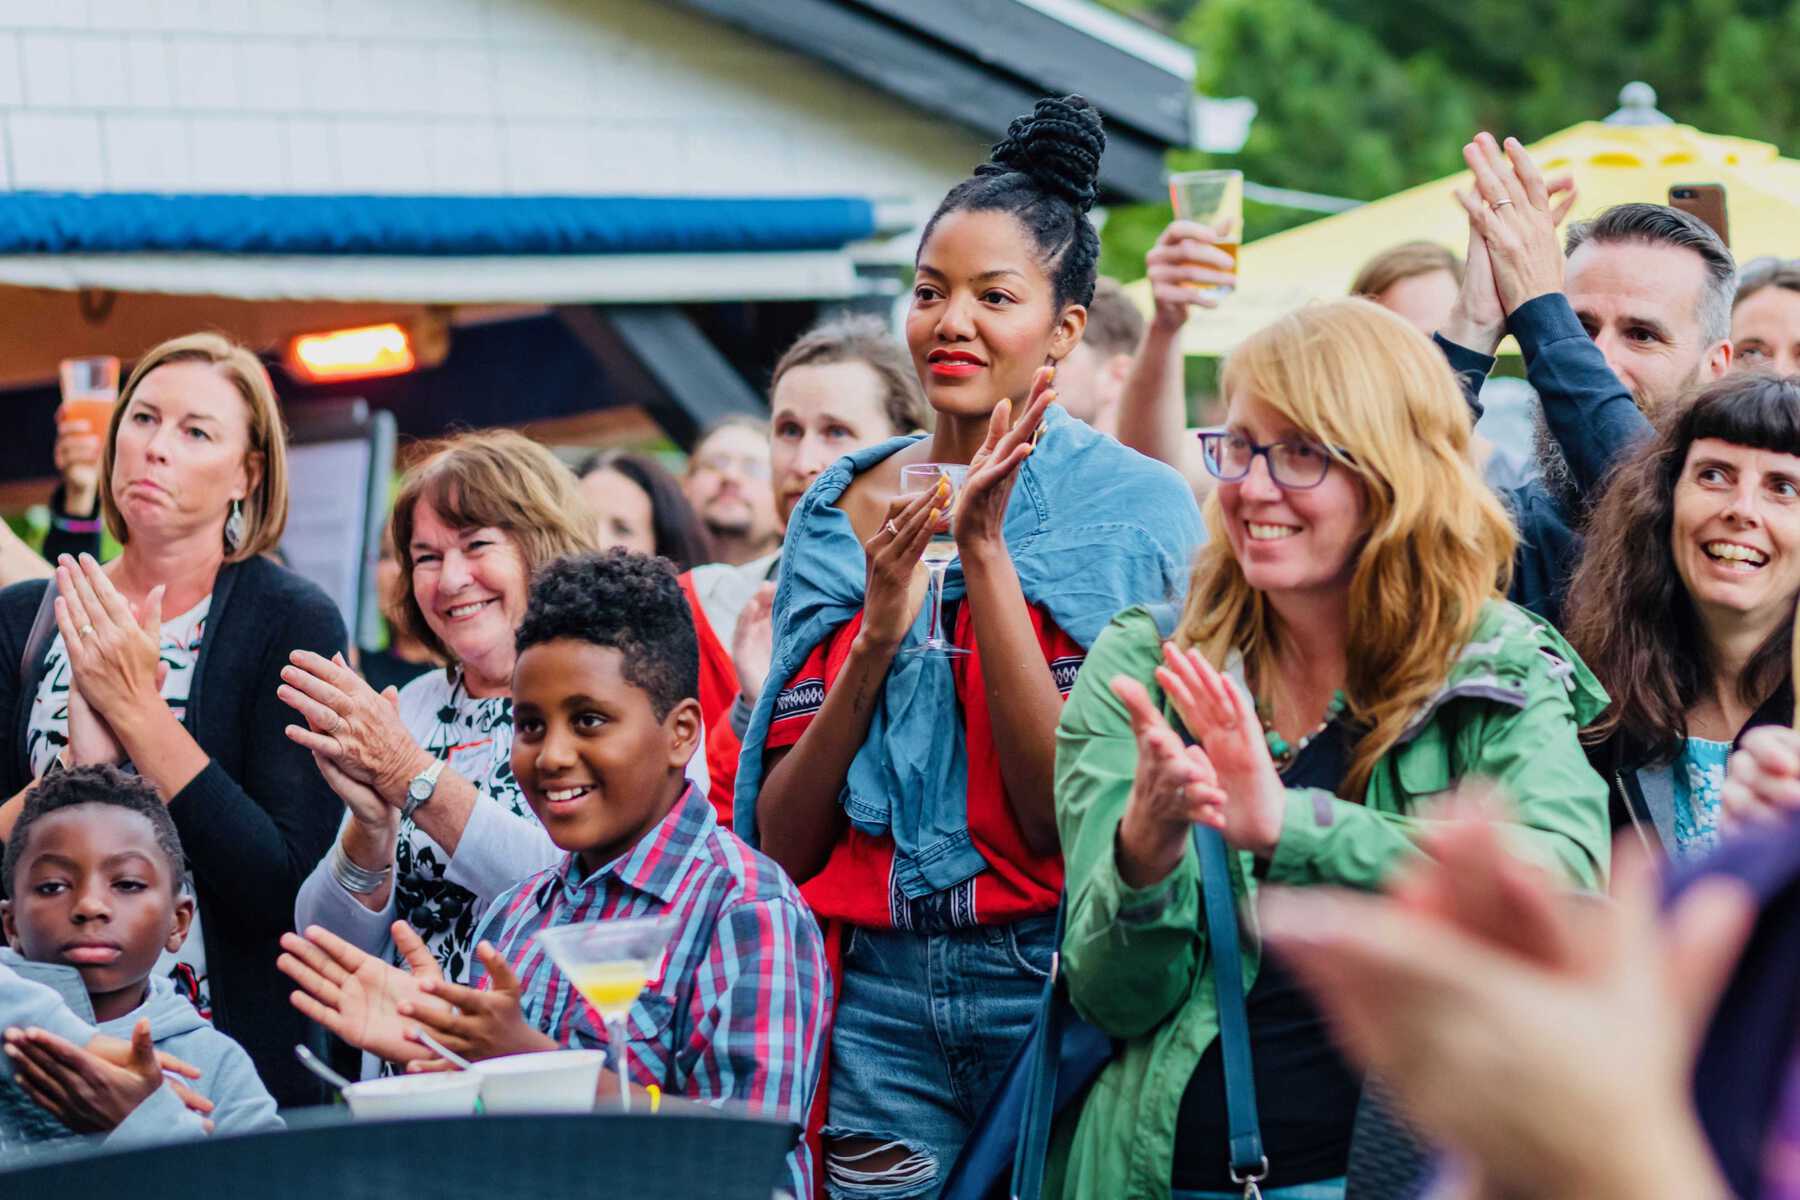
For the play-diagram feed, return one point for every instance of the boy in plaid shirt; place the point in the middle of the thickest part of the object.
(606, 718)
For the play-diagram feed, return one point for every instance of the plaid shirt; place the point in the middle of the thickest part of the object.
(738, 1008)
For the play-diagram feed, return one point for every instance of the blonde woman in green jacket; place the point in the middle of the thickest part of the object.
(1343, 657)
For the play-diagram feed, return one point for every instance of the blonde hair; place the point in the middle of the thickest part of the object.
(1436, 543)
(266, 507)
(1408, 260)
(493, 479)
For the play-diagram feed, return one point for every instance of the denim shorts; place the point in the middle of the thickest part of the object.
(1324, 1189)
(927, 1024)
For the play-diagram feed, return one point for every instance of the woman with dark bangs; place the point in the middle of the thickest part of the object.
(1684, 603)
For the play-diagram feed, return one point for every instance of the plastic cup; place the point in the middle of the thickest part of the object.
(90, 388)
(543, 1081)
(440, 1094)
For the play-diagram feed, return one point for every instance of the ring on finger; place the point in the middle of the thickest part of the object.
(1499, 204)
(891, 529)
(86, 631)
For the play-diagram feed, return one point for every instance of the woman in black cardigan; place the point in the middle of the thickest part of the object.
(169, 657)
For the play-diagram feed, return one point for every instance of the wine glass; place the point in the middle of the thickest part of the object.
(940, 551)
(609, 962)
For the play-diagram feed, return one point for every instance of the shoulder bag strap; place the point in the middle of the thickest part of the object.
(1248, 1164)
(37, 642)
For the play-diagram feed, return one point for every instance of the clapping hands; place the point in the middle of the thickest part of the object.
(1514, 254)
(1226, 779)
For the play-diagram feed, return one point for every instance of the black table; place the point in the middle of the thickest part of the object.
(692, 1155)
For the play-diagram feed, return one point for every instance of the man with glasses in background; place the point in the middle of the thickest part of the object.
(728, 484)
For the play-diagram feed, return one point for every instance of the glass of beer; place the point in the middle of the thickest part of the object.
(1214, 198)
(90, 388)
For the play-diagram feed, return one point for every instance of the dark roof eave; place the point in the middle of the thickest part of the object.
(933, 55)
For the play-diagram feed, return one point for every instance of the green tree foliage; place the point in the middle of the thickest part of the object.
(1361, 98)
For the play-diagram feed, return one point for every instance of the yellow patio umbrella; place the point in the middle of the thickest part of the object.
(1612, 164)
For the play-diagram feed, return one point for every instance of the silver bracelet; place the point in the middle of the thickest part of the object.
(358, 881)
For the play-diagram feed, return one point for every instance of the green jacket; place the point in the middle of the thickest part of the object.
(1136, 960)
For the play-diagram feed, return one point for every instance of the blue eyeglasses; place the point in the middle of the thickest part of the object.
(1298, 463)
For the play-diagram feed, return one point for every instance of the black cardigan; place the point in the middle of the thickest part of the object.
(256, 820)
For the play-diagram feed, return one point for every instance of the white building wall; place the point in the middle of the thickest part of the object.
(442, 97)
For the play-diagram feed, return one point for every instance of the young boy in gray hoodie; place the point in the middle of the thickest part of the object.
(96, 880)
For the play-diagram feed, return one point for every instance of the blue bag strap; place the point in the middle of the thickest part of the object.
(1248, 1164)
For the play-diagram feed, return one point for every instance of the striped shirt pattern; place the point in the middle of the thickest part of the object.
(736, 1011)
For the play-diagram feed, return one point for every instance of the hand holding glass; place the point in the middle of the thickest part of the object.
(1214, 198)
(609, 962)
(915, 481)
(90, 388)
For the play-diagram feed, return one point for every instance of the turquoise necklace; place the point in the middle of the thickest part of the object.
(1279, 750)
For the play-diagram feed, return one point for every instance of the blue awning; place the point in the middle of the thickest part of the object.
(124, 223)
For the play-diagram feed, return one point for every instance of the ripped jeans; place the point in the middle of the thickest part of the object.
(926, 1026)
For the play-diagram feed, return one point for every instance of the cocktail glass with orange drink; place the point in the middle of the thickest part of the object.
(1216, 199)
(609, 962)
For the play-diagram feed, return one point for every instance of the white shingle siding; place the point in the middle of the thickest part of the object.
(442, 96)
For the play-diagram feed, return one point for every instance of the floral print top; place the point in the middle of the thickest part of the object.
(1699, 778)
(474, 735)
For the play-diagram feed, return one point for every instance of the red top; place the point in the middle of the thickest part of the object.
(857, 884)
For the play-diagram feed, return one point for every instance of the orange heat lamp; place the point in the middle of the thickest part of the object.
(366, 352)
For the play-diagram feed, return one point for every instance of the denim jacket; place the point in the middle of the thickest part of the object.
(1092, 528)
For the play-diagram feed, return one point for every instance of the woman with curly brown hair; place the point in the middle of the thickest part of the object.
(1684, 602)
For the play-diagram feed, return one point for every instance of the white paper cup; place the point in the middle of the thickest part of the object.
(440, 1094)
(546, 1081)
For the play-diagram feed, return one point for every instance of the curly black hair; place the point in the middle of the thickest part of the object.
(95, 785)
(628, 601)
(1046, 173)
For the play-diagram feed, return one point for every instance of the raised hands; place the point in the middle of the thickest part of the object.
(114, 653)
(353, 727)
(1175, 787)
(77, 458)
(1762, 777)
(358, 996)
(1222, 719)
(87, 1091)
(1443, 989)
(1516, 212)
(481, 1023)
(981, 505)
(890, 601)
(1187, 268)
(753, 642)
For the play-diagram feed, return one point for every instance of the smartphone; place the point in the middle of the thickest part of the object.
(1706, 201)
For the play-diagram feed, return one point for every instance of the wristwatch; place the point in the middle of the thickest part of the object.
(420, 789)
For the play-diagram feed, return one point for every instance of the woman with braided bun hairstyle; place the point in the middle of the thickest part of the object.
(911, 794)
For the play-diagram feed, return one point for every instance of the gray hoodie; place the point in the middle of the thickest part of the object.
(242, 1104)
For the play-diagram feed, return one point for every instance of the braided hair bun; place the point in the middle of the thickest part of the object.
(1058, 145)
(1046, 173)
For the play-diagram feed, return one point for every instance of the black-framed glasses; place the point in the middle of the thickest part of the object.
(1298, 463)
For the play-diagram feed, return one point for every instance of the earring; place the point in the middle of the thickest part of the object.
(234, 528)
